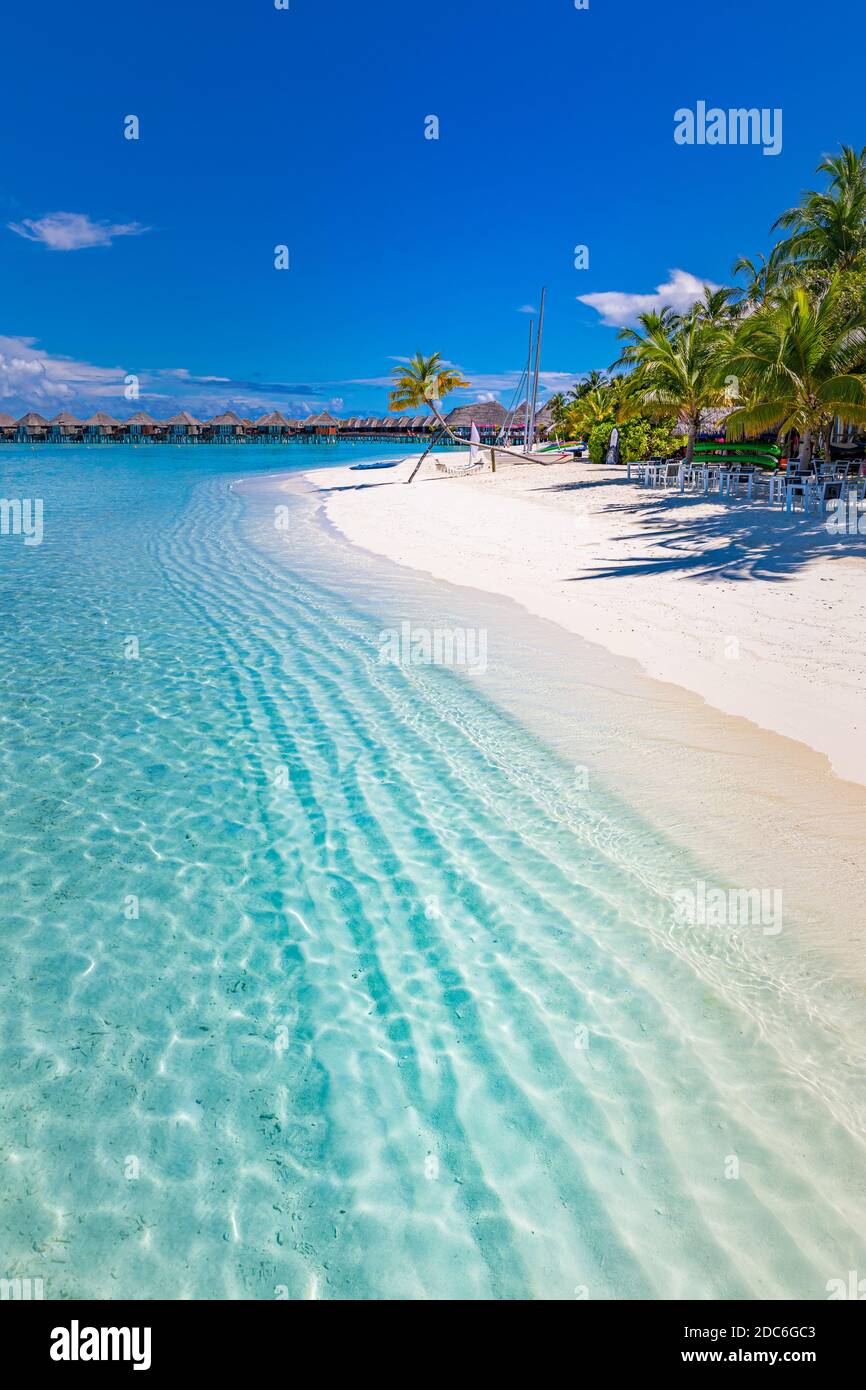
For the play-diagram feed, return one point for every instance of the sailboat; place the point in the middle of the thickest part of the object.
(529, 376)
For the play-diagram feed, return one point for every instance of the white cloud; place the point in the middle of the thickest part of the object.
(527, 309)
(71, 231)
(619, 308)
(493, 384)
(30, 374)
(32, 378)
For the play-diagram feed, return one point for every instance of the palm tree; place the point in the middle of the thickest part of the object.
(588, 382)
(828, 229)
(677, 368)
(665, 320)
(608, 401)
(424, 381)
(762, 278)
(558, 407)
(799, 363)
(717, 307)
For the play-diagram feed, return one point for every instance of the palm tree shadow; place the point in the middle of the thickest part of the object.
(585, 484)
(739, 540)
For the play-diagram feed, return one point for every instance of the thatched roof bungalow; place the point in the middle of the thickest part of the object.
(7, 424)
(63, 425)
(710, 426)
(225, 425)
(100, 425)
(32, 425)
(142, 423)
(273, 424)
(184, 425)
(325, 423)
(489, 416)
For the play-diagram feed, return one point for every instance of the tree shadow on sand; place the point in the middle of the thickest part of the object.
(738, 540)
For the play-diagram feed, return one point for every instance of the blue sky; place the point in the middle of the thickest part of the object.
(305, 127)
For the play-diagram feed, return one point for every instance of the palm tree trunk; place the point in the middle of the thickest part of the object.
(443, 429)
(437, 436)
(693, 436)
(805, 457)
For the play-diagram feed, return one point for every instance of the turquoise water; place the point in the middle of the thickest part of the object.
(321, 977)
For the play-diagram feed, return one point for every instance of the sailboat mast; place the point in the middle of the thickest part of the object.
(537, 365)
(528, 375)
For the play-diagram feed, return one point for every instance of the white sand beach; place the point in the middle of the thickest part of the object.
(760, 613)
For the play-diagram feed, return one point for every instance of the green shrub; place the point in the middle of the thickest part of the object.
(639, 439)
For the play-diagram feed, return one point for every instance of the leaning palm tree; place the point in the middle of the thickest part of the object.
(424, 381)
(827, 229)
(798, 362)
(677, 371)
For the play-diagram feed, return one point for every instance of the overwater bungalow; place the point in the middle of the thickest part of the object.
(229, 426)
(7, 425)
(100, 427)
(31, 426)
(323, 424)
(225, 426)
(141, 424)
(65, 426)
(183, 426)
(273, 426)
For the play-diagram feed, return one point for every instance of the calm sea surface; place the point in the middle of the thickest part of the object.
(321, 976)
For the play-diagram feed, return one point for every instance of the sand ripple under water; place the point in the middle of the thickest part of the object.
(321, 978)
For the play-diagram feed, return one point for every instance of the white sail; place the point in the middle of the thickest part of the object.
(474, 441)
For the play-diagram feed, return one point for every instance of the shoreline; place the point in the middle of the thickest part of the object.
(741, 605)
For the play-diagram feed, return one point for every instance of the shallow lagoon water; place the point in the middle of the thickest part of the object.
(325, 977)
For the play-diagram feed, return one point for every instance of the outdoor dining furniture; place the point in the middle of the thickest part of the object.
(653, 472)
(775, 485)
(640, 468)
(802, 488)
